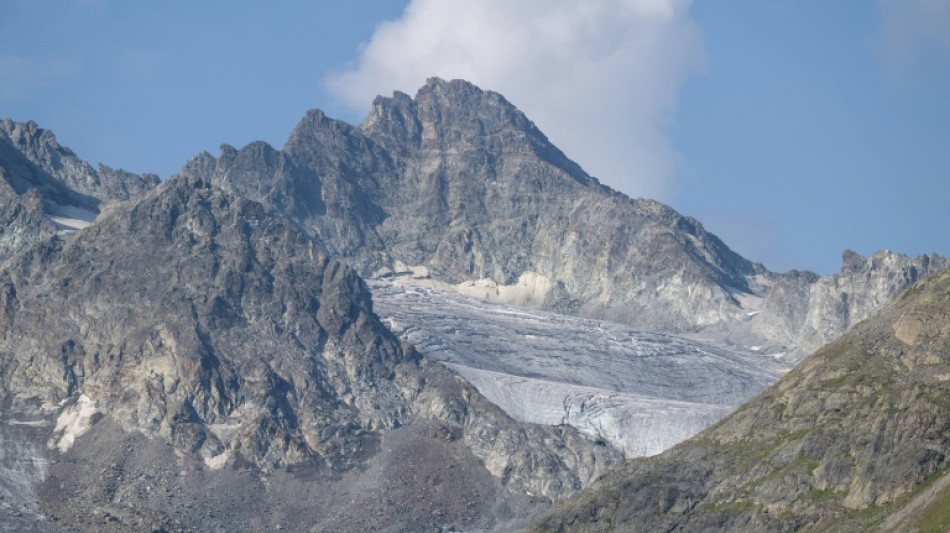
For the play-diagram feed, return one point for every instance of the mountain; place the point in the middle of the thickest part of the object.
(217, 326)
(461, 182)
(457, 190)
(800, 312)
(201, 364)
(458, 186)
(45, 187)
(856, 438)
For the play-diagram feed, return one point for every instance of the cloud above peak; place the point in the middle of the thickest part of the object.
(599, 77)
(910, 27)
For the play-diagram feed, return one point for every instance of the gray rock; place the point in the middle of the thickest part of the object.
(799, 313)
(459, 182)
(21, 219)
(45, 187)
(57, 167)
(197, 318)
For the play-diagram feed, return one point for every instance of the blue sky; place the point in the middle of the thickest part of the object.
(793, 130)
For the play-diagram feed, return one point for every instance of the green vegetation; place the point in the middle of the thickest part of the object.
(936, 516)
(819, 495)
(736, 507)
(871, 518)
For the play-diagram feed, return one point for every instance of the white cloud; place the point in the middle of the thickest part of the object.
(910, 27)
(599, 77)
(22, 76)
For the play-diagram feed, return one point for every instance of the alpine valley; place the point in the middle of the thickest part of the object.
(436, 321)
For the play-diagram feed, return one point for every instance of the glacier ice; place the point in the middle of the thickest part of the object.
(641, 391)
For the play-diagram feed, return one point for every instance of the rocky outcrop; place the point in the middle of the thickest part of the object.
(197, 318)
(797, 313)
(845, 442)
(45, 187)
(21, 219)
(34, 159)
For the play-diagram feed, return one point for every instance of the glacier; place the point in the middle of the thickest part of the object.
(641, 391)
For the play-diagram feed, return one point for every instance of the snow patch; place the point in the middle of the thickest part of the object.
(218, 461)
(33, 423)
(73, 422)
(529, 291)
(69, 218)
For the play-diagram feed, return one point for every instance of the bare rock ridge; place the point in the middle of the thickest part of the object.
(54, 165)
(856, 438)
(459, 184)
(473, 190)
(199, 319)
(45, 187)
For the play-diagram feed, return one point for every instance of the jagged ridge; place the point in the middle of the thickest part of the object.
(458, 181)
(199, 318)
(45, 187)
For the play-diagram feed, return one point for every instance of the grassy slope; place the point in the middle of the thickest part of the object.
(855, 433)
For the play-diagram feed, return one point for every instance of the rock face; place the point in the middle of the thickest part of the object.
(461, 182)
(53, 168)
(797, 313)
(458, 183)
(864, 285)
(856, 438)
(45, 187)
(21, 219)
(196, 318)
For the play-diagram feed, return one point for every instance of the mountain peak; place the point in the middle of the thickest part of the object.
(33, 158)
(457, 87)
(315, 131)
(451, 115)
(462, 95)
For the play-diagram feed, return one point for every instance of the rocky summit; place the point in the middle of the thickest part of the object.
(457, 189)
(192, 339)
(856, 438)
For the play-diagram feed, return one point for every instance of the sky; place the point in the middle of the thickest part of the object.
(793, 130)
